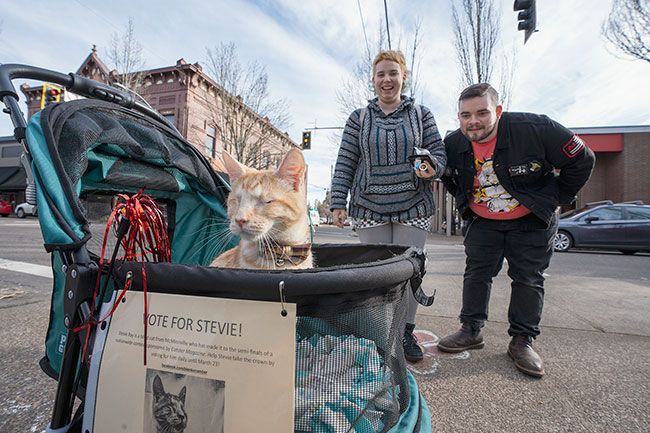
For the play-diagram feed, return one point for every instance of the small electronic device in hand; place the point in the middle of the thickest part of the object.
(421, 159)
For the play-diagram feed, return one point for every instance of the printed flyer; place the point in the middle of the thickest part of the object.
(213, 365)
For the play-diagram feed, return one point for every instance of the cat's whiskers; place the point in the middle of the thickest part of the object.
(205, 227)
(266, 247)
(220, 243)
(218, 240)
(199, 233)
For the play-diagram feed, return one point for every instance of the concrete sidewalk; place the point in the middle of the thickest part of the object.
(595, 343)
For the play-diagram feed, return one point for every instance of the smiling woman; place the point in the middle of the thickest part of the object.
(391, 202)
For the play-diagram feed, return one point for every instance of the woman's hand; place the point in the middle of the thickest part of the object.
(425, 174)
(339, 216)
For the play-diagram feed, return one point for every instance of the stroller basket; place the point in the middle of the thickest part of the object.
(350, 373)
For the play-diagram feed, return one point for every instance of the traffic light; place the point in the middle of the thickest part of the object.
(51, 94)
(527, 17)
(306, 140)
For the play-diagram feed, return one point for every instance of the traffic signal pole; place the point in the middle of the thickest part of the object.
(527, 17)
(306, 135)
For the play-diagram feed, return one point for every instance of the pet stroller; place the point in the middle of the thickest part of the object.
(349, 373)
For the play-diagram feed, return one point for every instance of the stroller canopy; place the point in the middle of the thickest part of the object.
(92, 148)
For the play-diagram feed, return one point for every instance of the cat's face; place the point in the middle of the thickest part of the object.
(169, 409)
(266, 203)
(261, 204)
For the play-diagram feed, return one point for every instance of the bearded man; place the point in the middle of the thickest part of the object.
(503, 171)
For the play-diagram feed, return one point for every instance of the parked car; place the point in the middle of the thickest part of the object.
(5, 208)
(24, 209)
(605, 225)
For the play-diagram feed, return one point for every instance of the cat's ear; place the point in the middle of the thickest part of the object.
(181, 395)
(292, 168)
(158, 389)
(234, 168)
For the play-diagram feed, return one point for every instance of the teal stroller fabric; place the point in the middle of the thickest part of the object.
(84, 152)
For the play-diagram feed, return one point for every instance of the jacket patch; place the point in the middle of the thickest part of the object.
(523, 169)
(573, 147)
(518, 170)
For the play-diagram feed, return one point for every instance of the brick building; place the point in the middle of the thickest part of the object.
(190, 100)
(622, 163)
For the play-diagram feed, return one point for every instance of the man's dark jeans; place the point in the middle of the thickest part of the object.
(527, 244)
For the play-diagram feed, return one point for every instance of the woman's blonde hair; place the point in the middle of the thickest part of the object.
(391, 55)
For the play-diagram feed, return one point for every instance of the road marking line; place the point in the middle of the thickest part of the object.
(26, 268)
(10, 293)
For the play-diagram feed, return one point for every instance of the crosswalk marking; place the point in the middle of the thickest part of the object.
(26, 268)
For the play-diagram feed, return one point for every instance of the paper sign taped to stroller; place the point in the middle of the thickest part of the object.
(210, 362)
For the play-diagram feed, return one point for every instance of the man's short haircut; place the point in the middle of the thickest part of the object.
(393, 56)
(479, 90)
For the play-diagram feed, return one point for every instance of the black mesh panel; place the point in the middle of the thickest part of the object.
(137, 174)
(350, 371)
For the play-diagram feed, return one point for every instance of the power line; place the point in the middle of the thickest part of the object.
(103, 18)
(317, 187)
(387, 26)
(363, 26)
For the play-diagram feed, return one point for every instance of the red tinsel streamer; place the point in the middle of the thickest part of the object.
(146, 240)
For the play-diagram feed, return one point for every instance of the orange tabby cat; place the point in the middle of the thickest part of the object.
(268, 211)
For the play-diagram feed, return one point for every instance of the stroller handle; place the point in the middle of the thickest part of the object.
(75, 83)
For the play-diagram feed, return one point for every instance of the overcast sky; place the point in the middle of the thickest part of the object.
(566, 70)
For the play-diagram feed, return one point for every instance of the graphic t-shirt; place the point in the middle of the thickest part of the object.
(490, 200)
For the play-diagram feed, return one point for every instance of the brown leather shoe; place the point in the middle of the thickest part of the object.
(526, 359)
(466, 338)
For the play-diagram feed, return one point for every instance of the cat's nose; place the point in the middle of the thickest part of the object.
(241, 221)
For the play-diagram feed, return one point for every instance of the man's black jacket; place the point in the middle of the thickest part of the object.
(529, 149)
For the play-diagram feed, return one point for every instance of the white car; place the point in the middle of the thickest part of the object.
(24, 209)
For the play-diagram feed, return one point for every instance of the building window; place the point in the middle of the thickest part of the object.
(171, 117)
(210, 140)
(266, 160)
(11, 151)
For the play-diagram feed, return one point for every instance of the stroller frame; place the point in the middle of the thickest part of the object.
(80, 270)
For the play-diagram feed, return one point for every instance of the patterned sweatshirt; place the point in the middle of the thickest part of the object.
(373, 166)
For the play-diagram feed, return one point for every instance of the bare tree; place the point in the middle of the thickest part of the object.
(243, 112)
(628, 27)
(323, 207)
(477, 25)
(413, 84)
(125, 55)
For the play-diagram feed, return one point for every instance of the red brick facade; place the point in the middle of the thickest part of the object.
(622, 163)
(187, 96)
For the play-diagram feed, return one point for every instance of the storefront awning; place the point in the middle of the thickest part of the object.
(12, 179)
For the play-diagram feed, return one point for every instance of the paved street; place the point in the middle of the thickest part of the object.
(595, 342)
